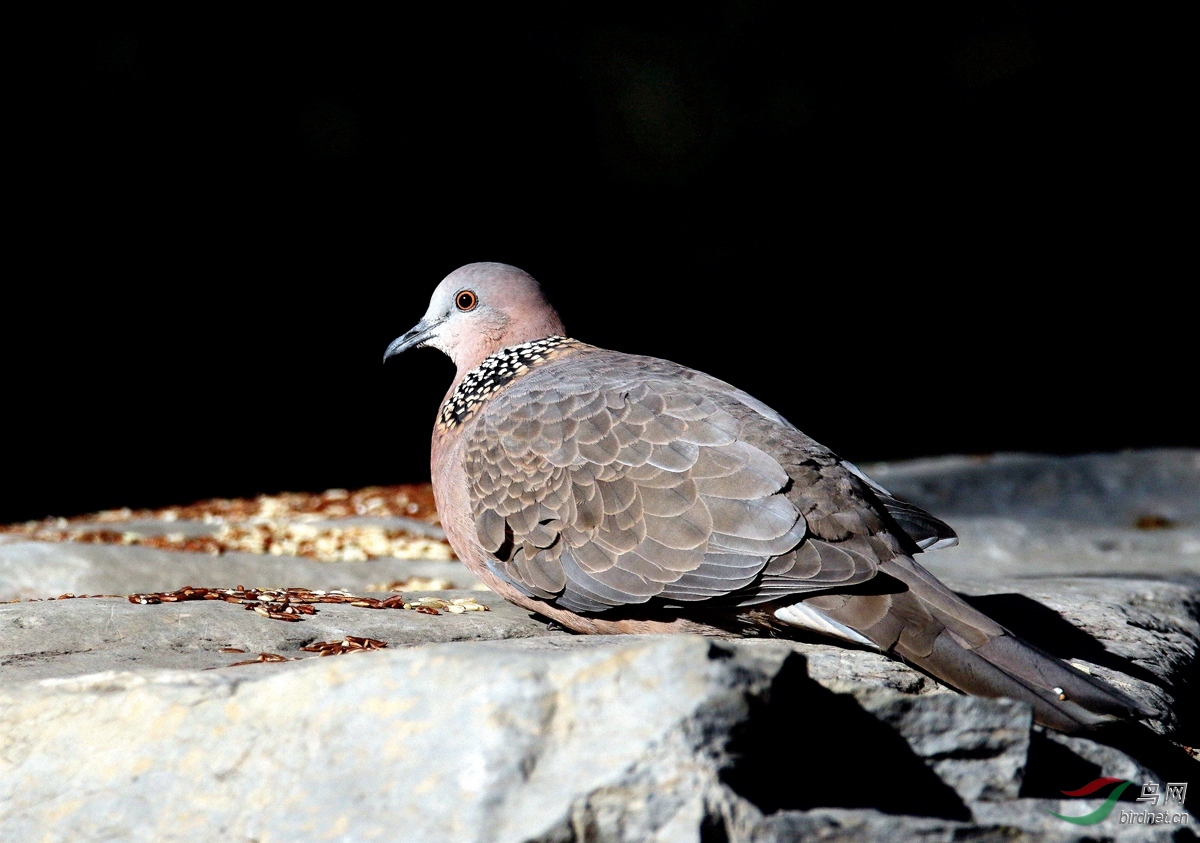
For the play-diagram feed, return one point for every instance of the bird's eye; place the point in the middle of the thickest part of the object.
(466, 300)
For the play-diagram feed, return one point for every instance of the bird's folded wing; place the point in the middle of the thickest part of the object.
(599, 489)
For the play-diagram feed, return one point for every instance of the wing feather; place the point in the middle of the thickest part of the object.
(610, 483)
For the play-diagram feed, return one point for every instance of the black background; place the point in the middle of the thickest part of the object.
(912, 232)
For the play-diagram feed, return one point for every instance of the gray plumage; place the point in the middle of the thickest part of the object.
(621, 493)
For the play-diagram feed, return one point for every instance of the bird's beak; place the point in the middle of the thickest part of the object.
(414, 338)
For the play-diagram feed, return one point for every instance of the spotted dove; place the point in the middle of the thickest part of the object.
(615, 493)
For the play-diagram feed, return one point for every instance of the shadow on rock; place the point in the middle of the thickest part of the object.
(1151, 750)
(1053, 768)
(1055, 765)
(808, 747)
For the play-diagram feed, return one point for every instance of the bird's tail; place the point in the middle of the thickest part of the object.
(912, 614)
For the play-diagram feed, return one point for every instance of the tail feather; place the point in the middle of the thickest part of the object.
(927, 624)
(1008, 667)
(1041, 670)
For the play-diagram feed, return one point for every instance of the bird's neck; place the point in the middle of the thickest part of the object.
(476, 386)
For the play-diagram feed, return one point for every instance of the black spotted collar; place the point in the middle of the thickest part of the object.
(494, 372)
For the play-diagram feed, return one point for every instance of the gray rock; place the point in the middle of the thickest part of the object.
(1110, 759)
(621, 741)
(125, 722)
(995, 548)
(1027, 820)
(1098, 489)
(44, 569)
(845, 669)
(60, 638)
(191, 528)
(977, 746)
(1129, 514)
(1033, 819)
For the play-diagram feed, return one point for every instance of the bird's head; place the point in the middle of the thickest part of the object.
(479, 309)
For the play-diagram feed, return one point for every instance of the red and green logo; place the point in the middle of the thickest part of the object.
(1104, 810)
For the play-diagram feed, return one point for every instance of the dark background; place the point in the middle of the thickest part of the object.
(912, 232)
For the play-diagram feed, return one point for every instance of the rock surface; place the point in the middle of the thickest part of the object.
(30, 570)
(121, 721)
(62, 638)
(1130, 514)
